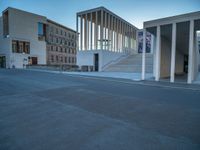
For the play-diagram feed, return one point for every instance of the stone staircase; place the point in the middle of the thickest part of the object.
(132, 63)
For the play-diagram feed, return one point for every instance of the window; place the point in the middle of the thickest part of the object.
(14, 46)
(20, 47)
(51, 29)
(56, 40)
(60, 49)
(56, 58)
(65, 59)
(61, 58)
(52, 58)
(26, 48)
(41, 31)
(56, 48)
(51, 48)
(61, 32)
(56, 31)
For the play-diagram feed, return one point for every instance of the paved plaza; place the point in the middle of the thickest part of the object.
(56, 111)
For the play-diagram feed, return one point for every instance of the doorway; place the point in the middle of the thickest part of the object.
(2, 62)
(96, 62)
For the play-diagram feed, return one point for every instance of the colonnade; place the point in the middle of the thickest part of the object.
(101, 29)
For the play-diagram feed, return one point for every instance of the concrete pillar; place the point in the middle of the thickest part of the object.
(109, 32)
(91, 32)
(136, 41)
(122, 36)
(96, 31)
(157, 77)
(173, 53)
(105, 32)
(85, 32)
(81, 38)
(111, 44)
(191, 51)
(77, 35)
(143, 54)
(101, 31)
(117, 36)
(114, 35)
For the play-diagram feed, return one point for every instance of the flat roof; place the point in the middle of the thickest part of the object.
(60, 25)
(48, 20)
(105, 9)
(172, 19)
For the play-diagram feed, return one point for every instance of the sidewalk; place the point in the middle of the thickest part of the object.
(121, 75)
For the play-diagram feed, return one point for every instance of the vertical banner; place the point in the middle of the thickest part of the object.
(140, 42)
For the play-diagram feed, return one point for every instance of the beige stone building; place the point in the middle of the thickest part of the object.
(61, 44)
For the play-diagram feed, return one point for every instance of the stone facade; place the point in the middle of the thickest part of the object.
(61, 44)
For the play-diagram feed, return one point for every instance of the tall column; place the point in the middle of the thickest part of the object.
(81, 36)
(111, 44)
(114, 36)
(91, 32)
(88, 35)
(77, 35)
(85, 33)
(117, 43)
(101, 31)
(143, 54)
(191, 49)
(122, 36)
(157, 67)
(105, 32)
(96, 31)
(109, 32)
(173, 52)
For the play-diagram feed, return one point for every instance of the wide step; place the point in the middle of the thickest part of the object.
(132, 63)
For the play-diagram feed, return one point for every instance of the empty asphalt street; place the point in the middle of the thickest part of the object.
(54, 111)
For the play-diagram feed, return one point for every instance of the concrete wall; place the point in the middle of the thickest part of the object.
(165, 58)
(22, 26)
(179, 66)
(5, 45)
(105, 57)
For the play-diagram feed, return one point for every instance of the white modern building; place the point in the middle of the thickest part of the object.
(20, 41)
(104, 37)
(170, 51)
(176, 53)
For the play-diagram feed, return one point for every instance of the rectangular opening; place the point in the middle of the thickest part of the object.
(20, 47)
(41, 31)
(96, 62)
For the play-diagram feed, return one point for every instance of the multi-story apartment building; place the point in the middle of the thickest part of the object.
(31, 39)
(61, 44)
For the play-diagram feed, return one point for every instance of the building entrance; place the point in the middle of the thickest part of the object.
(96, 62)
(2, 62)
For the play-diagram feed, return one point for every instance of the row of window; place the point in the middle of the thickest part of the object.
(61, 49)
(62, 59)
(20, 47)
(61, 41)
(62, 32)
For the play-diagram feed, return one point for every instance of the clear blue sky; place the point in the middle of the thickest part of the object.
(134, 11)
